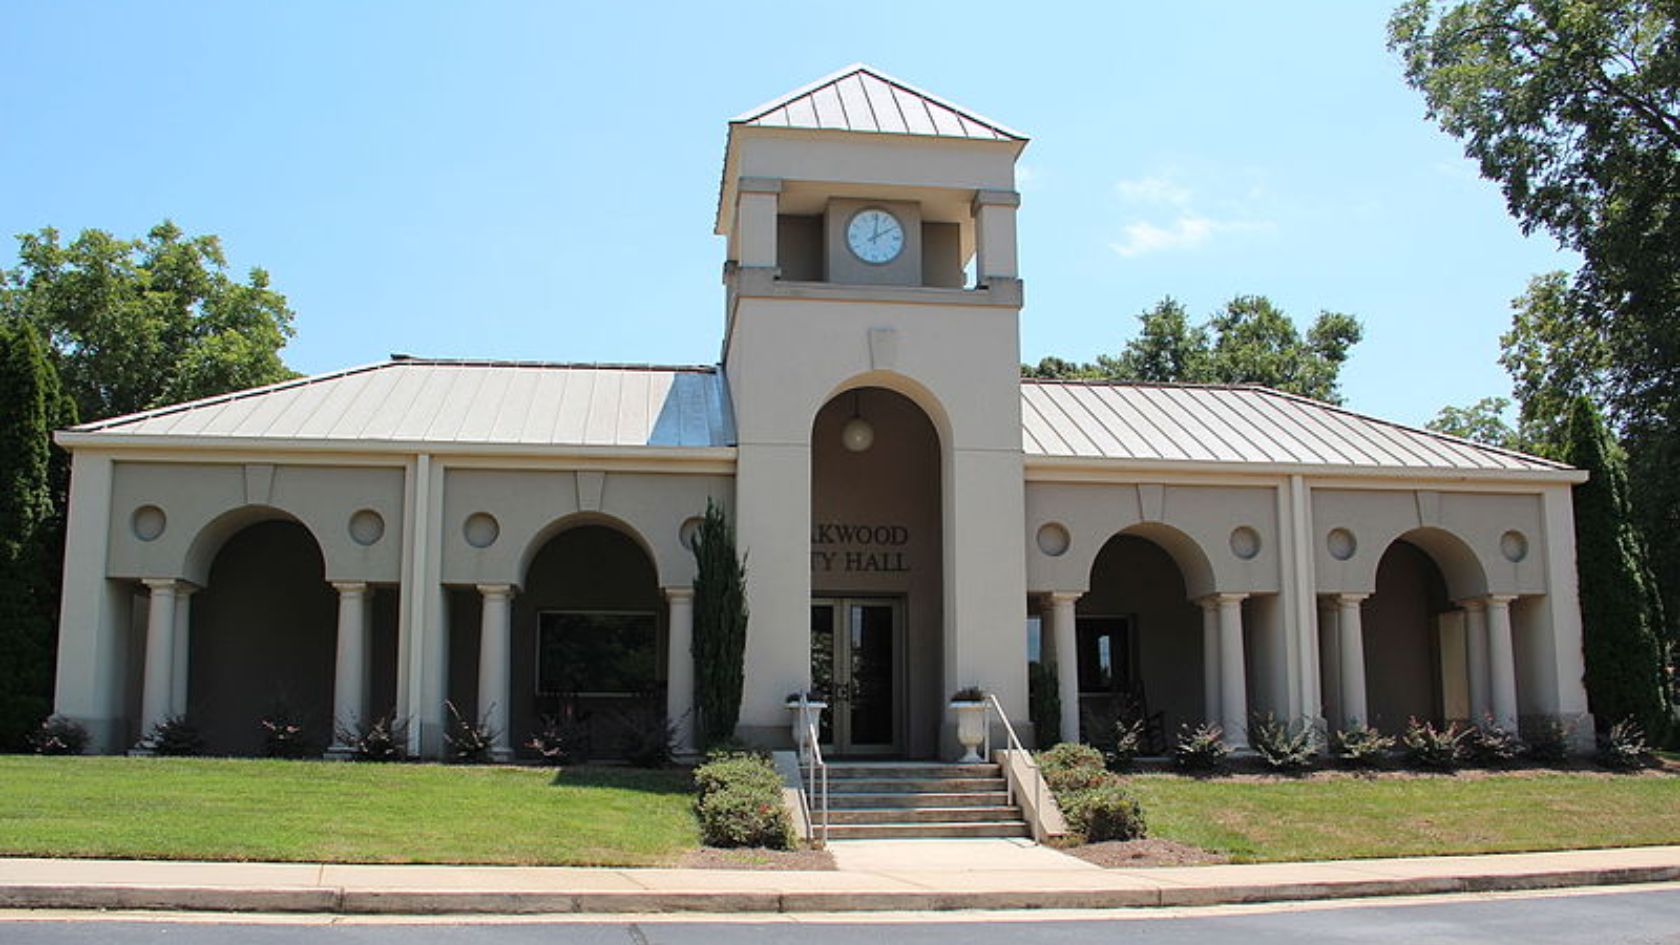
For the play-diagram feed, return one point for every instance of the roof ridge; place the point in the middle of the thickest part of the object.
(759, 111)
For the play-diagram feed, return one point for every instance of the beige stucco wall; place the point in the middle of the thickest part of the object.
(1462, 531)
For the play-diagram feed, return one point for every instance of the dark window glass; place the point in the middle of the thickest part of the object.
(1105, 654)
(589, 653)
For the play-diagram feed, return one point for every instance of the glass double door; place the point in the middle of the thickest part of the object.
(857, 662)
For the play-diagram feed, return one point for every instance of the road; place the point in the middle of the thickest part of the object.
(1643, 915)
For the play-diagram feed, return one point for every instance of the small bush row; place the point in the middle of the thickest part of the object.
(738, 798)
(1093, 799)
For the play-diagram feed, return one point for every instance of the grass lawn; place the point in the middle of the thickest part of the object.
(230, 809)
(1338, 816)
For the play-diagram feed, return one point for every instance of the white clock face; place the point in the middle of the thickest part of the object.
(875, 236)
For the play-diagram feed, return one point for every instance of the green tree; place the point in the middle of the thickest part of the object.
(1248, 341)
(1481, 422)
(134, 324)
(1620, 609)
(1553, 358)
(32, 477)
(720, 627)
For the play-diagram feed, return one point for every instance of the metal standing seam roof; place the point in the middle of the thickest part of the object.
(462, 402)
(1236, 424)
(862, 98)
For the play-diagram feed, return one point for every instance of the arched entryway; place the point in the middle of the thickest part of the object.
(263, 638)
(877, 646)
(1410, 669)
(586, 642)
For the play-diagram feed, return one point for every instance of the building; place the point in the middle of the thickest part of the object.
(511, 537)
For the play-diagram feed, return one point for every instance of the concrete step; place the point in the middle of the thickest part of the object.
(1011, 828)
(924, 771)
(900, 800)
(914, 785)
(922, 815)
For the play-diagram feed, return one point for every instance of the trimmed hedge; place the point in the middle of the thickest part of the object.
(1095, 801)
(739, 803)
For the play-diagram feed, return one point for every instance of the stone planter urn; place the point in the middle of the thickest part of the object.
(801, 735)
(971, 728)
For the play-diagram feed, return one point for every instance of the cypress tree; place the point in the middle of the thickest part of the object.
(33, 479)
(720, 628)
(1620, 607)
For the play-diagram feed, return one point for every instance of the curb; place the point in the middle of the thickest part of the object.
(336, 900)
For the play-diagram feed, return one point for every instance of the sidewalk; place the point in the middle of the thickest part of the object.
(940, 876)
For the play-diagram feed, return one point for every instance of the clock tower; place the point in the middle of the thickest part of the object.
(872, 273)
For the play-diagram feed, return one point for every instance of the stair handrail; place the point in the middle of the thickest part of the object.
(815, 766)
(1014, 743)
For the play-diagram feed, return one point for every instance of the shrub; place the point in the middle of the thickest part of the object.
(739, 803)
(1044, 703)
(720, 626)
(735, 748)
(1281, 746)
(560, 740)
(1104, 812)
(380, 739)
(1070, 767)
(969, 694)
(283, 735)
(1361, 746)
(1201, 748)
(174, 737)
(1128, 741)
(1431, 748)
(467, 742)
(1624, 748)
(647, 738)
(1548, 744)
(59, 736)
(1490, 746)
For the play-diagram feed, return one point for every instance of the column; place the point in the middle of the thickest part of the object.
(1330, 661)
(183, 645)
(160, 655)
(494, 665)
(1063, 624)
(679, 667)
(994, 225)
(1351, 642)
(1212, 709)
(1502, 663)
(1233, 684)
(350, 665)
(1476, 659)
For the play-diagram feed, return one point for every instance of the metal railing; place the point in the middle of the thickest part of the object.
(815, 781)
(1020, 750)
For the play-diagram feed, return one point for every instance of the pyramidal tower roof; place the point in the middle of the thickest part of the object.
(863, 98)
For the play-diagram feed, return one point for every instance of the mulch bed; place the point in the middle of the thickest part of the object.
(1130, 854)
(756, 858)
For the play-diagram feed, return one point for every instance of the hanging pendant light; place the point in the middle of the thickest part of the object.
(857, 434)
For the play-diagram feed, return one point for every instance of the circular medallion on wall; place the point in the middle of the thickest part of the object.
(1245, 542)
(1341, 544)
(689, 531)
(481, 529)
(1053, 539)
(148, 522)
(1513, 545)
(366, 527)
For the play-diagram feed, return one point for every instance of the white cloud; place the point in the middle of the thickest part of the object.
(1189, 231)
(1153, 190)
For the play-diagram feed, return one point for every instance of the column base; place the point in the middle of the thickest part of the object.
(140, 751)
(339, 753)
(501, 755)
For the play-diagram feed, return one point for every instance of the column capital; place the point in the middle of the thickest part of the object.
(996, 198)
(350, 587)
(1350, 599)
(1472, 603)
(1064, 597)
(685, 592)
(1223, 597)
(498, 590)
(1499, 600)
(164, 584)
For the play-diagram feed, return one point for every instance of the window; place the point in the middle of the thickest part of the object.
(584, 653)
(1105, 654)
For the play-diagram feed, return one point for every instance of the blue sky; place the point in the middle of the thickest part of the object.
(538, 180)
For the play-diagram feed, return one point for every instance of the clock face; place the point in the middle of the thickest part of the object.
(875, 236)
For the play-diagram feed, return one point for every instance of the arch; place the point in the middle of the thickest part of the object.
(1192, 561)
(1458, 562)
(216, 533)
(554, 529)
(1410, 671)
(911, 389)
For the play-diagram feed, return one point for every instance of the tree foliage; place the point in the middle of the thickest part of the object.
(32, 480)
(1481, 422)
(134, 324)
(1248, 341)
(1620, 608)
(720, 628)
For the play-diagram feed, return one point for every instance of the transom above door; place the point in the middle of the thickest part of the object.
(857, 661)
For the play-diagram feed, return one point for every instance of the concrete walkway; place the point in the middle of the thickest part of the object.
(873, 879)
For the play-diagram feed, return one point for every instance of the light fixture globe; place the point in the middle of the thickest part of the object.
(857, 435)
